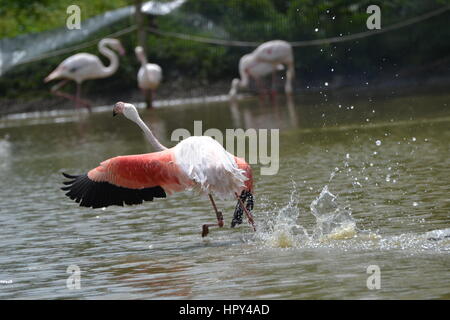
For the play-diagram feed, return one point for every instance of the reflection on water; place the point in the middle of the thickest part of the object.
(5, 152)
(362, 181)
(245, 117)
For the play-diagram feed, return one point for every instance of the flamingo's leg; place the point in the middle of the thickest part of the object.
(247, 213)
(80, 101)
(77, 96)
(273, 91)
(259, 86)
(290, 73)
(148, 94)
(55, 90)
(219, 215)
(153, 91)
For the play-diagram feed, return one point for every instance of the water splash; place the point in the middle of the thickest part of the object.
(334, 227)
(332, 221)
(283, 229)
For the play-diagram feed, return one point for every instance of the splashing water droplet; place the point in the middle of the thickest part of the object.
(332, 222)
(378, 143)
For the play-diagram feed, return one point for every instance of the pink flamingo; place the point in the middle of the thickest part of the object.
(265, 59)
(198, 163)
(84, 66)
(250, 68)
(149, 76)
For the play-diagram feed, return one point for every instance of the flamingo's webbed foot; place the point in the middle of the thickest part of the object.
(205, 227)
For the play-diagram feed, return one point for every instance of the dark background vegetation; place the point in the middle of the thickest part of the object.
(417, 54)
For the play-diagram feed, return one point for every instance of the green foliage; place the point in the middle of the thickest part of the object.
(29, 16)
(412, 47)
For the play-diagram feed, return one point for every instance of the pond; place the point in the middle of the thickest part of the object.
(361, 190)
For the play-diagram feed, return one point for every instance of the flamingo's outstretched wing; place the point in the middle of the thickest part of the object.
(127, 179)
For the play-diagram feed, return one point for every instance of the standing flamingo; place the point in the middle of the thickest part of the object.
(199, 163)
(149, 76)
(266, 58)
(84, 66)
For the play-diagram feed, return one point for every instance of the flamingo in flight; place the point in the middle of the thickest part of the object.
(85, 66)
(149, 76)
(198, 162)
(266, 58)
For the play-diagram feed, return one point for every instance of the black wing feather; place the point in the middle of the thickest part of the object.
(94, 194)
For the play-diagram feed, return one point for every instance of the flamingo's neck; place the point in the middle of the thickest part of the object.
(113, 60)
(244, 80)
(142, 58)
(234, 87)
(149, 135)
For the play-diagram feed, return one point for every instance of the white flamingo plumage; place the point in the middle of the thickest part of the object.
(85, 66)
(149, 76)
(198, 163)
(265, 59)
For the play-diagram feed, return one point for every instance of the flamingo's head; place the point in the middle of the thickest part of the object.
(127, 109)
(139, 51)
(115, 44)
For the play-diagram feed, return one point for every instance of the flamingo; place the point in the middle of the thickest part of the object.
(266, 58)
(198, 162)
(84, 66)
(149, 76)
(249, 67)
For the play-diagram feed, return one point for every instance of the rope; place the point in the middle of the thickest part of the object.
(236, 43)
(80, 46)
(307, 43)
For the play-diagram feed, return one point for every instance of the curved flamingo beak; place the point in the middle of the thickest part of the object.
(118, 108)
(115, 110)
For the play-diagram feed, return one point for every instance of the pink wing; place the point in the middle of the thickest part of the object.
(127, 179)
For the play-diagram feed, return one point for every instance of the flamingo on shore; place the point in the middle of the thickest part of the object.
(198, 162)
(149, 76)
(266, 58)
(85, 66)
